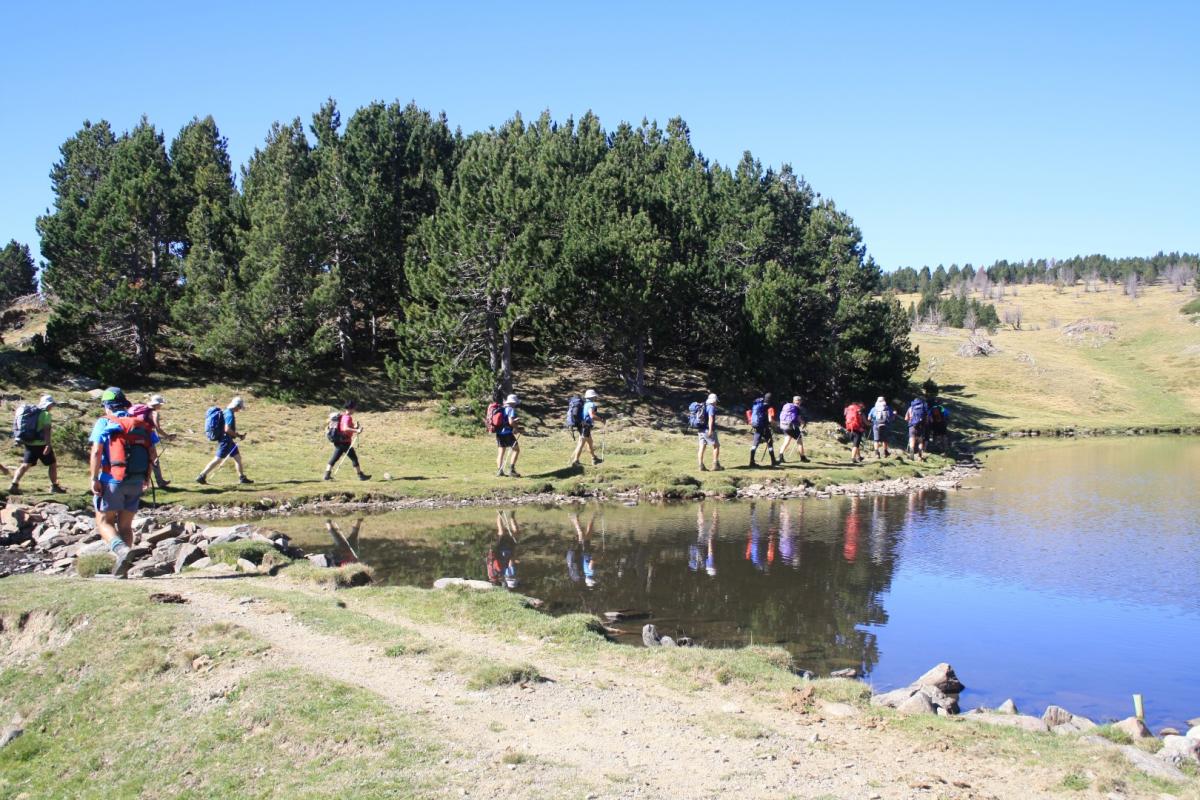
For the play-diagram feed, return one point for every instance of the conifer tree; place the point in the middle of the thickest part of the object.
(17, 272)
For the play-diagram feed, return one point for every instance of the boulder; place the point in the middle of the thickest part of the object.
(946, 702)
(1059, 720)
(1194, 722)
(188, 554)
(1007, 707)
(10, 733)
(149, 569)
(1022, 721)
(1134, 727)
(1151, 765)
(667, 641)
(443, 583)
(1180, 750)
(893, 698)
(155, 536)
(840, 710)
(1168, 731)
(1193, 732)
(50, 539)
(919, 703)
(942, 676)
(13, 517)
(202, 563)
(167, 551)
(650, 637)
(232, 534)
(246, 565)
(848, 672)
(92, 548)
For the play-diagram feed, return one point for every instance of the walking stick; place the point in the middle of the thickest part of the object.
(338, 465)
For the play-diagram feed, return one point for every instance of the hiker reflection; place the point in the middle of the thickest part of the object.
(789, 544)
(760, 549)
(703, 553)
(345, 548)
(878, 529)
(501, 560)
(853, 531)
(581, 564)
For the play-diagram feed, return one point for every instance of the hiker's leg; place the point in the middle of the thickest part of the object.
(53, 469)
(700, 448)
(578, 451)
(237, 462)
(106, 524)
(771, 445)
(515, 453)
(591, 445)
(125, 526)
(21, 470)
(353, 456)
(210, 466)
(333, 459)
(716, 450)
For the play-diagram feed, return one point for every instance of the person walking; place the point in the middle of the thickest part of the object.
(39, 448)
(761, 415)
(507, 445)
(227, 443)
(707, 435)
(880, 416)
(856, 426)
(155, 404)
(345, 432)
(792, 419)
(119, 466)
(587, 420)
(917, 418)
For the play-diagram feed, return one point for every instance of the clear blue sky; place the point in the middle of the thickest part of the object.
(950, 131)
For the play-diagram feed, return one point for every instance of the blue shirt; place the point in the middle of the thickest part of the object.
(710, 412)
(230, 420)
(589, 412)
(880, 418)
(101, 433)
(510, 417)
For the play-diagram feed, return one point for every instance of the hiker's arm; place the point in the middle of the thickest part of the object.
(94, 466)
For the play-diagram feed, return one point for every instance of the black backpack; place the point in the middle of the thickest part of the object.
(574, 412)
(25, 423)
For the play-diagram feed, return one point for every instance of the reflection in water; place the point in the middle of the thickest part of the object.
(344, 547)
(1067, 576)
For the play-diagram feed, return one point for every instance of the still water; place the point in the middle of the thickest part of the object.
(1068, 573)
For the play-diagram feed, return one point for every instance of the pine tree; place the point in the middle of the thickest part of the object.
(18, 276)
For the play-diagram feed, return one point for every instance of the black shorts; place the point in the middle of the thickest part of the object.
(856, 438)
(506, 440)
(793, 430)
(343, 449)
(583, 429)
(38, 452)
(762, 435)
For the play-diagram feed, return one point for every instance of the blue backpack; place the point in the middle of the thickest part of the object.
(918, 410)
(697, 416)
(758, 414)
(574, 412)
(789, 414)
(214, 423)
(25, 423)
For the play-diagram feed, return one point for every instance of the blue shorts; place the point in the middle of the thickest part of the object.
(226, 447)
(118, 496)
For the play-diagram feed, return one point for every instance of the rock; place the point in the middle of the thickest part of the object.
(322, 560)
(1007, 707)
(137, 553)
(1168, 731)
(245, 565)
(443, 583)
(841, 710)
(50, 539)
(13, 517)
(667, 641)
(942, 676)
(1180, 750)
(149, 569)
(893, 698)
(232, 534)
(1059, 720)
(202, 563)
(1134, 727)
(1194, 722)
(919, 703)
(168, 551)
(943, 701)
(156, 535)
(92, 548)
(1154, 767)
(848, 672)
(650, 637)
(1022, 721)
(142, 524)
(9, 734)
(1193, 731)
(188, 554)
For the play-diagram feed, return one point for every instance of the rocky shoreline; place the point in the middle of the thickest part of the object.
(946, 479)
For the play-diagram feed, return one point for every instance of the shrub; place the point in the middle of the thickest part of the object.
(95, 564)
(493, 675)
(71, 438)
(229, 552)
(1191, 307)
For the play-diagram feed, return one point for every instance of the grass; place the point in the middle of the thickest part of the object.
(109, 710)
(491, 676)
(95, 564)
(409, 456)
(230, 552)
(1147, 374)
(343, 577)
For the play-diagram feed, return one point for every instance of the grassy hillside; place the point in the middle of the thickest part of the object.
(1137, 362)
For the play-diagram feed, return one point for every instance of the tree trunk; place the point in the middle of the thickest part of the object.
(345, 345)
(506, 382)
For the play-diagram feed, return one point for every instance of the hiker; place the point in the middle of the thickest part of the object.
(856, 426)
(917, 418)
(119, 465)
(580, 564)
(151, 415)
(503, 420)
(586, 415)
(31, 429)
(879, 416)
(792, 419)
(343, 431)
(760, 416)
(703, 417)
(939, 425)
(221, 427)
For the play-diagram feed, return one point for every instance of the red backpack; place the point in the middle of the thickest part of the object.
(495, 417)
(130, 450)
(856, 420)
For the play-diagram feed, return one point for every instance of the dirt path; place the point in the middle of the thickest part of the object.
(592, 732)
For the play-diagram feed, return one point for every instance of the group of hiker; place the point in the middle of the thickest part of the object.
(927, 420)
(501, 419)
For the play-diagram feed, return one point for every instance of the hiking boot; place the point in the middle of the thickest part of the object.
(244, 479)
(123, 563)
(56, 489)
(163, 484)
(703, 468)
(718, 468)
(202, 480)
(574, 463)
(512, 473)
(804, 459)
(327, 477)
(362, 476)
(596, 461)
(500, 473)
(14, 489)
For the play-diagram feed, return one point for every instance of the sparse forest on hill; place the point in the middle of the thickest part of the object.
(458, 260)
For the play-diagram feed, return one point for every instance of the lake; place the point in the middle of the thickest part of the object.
(1067, 573)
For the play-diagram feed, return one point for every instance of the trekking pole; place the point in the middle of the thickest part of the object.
(338, 465)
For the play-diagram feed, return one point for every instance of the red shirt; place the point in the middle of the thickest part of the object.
(346, 427)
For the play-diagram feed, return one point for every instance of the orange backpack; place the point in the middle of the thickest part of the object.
(130, 450)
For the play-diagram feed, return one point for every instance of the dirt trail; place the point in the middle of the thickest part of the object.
(597, 733)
